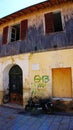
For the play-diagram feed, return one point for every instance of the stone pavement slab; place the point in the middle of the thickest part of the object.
(12, 119)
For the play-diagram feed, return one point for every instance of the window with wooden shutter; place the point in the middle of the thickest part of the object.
(53, 22)
(49, 25)
(23, 32)
(5, 35)
(18, 31)
(15, 33)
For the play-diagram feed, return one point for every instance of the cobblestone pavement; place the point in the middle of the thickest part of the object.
(12, 119)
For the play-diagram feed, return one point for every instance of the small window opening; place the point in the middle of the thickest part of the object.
(53, 22)
(57, 22)
(15, 32)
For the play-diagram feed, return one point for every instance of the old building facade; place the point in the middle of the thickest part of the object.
(36, 52)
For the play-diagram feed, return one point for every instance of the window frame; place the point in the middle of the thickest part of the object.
(13, 33)
(10, 32)
(62, 21)
(25, 29)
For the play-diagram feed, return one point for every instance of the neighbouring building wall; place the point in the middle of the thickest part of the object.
(38, 73)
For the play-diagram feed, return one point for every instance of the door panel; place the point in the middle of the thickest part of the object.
(62, 82)
(15, 85)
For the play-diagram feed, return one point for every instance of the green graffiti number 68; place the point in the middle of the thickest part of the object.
(44, 78)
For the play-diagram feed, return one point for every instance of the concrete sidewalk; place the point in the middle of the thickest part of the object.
(13, 119)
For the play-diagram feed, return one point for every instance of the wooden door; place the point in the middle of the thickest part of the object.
(62, 82)
(15, 85)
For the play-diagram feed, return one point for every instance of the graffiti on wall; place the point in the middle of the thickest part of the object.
(39, 83)
(38, 78)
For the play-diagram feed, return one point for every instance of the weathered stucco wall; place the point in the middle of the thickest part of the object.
(37, 67)
(37, 64)
(5, 66)
(49, 60)
(37, 39)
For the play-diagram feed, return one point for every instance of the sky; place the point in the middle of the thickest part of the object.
(10, 6)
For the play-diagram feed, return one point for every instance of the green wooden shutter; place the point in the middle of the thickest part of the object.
(5, 35)
(49, 23)
(23, 30)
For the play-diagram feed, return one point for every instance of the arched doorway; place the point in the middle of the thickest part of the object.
(15, 85)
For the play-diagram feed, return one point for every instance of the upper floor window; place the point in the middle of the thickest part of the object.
(15, 32)
(53, 22)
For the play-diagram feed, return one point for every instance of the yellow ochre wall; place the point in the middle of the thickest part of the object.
(46, 62)
(42, 64)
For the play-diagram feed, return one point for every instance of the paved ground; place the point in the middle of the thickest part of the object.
(12, 119)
